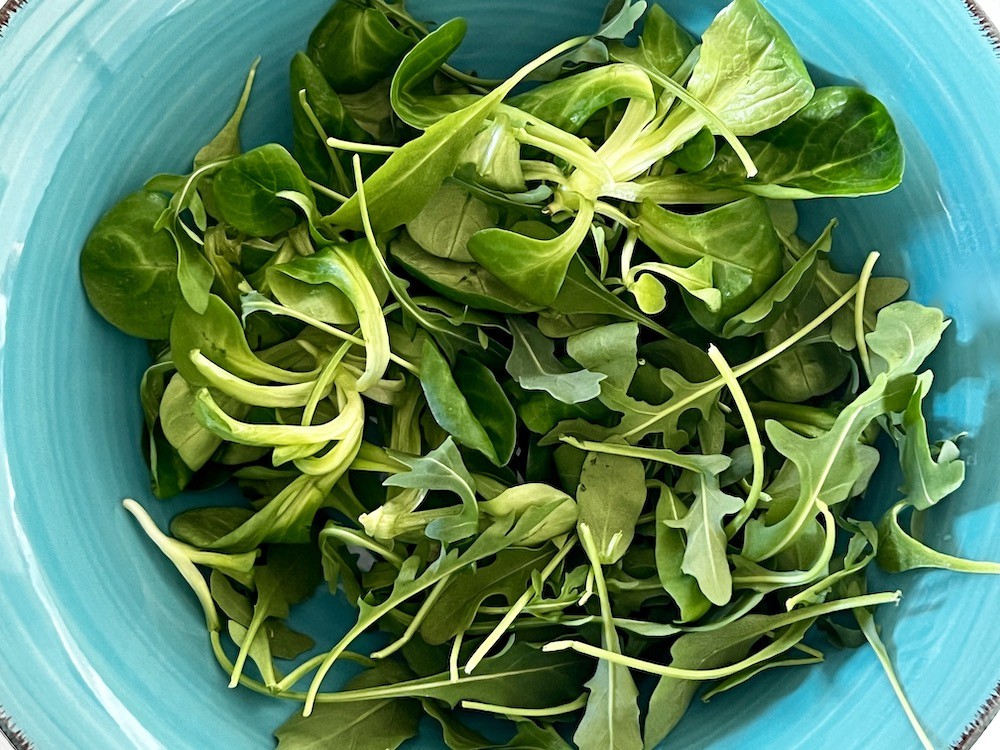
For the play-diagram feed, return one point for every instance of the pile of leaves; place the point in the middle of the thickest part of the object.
(542, 380)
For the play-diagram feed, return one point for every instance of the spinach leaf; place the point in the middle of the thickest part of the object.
(568, 103)
(356, 46)
(842, 143)
(748, 73)
(454, 397)
(310, 149)
(246, 191)
(739, 239)
(465, 283)
(448, 222)
(663, 45)
(130, 270)
(411, 83)
(534, 268)
(226, 144)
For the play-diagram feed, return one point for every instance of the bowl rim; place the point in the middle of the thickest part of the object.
(15, 739)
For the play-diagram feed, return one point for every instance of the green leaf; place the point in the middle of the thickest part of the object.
(401, 187)
(193, 442)
(670, 547)
(842, 143)
(898, 551)
(195, 273)
(568, 103)
(832, 467)
(608, 350)
(321, 283)
(506, 577)
(748, 73)
(534, 366)
(926, 481)
(130, 270)
(246, 191)
(451, 396)
(611, 495)
(444, 227)
(412, 83)
(356, 46)
(905, 334)
(310, 151)
(218, 335)
(378, 724)
(808, 369)
(786, 292)
(226, 144)
(705, 550)
(612, 716)
(466, 283)
(522, 676)
(663, 45)
(534, 268)
(290, 576)
(582, 293)
(739, 239)
(443, 469)
(867, 622)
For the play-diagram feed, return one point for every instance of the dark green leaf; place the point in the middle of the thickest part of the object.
(130, 271)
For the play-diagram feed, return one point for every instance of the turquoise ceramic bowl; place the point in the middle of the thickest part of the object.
(100, 644)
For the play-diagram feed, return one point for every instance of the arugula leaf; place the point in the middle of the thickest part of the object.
(611, 495)
(905, 334)
(533, 365)
(926, 481)
(379, 724)
(443, 469)
(705, 551)
(898, 551)
(832, 467)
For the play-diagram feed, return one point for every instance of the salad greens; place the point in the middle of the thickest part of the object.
(543, 380)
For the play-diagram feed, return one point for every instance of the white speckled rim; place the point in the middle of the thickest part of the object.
(16, 739)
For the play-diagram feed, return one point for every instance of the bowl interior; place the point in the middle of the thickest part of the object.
(100, 646)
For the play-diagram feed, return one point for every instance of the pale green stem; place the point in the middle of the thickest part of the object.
(515, 610)
(528, 713)
(748, 367)
(418, 618)
(859, 313)
(767, 652)
(753, 437)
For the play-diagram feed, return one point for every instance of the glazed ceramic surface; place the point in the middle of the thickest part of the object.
(102, 647)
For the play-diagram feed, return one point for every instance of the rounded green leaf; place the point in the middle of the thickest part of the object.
(130, 271)
(246, 191)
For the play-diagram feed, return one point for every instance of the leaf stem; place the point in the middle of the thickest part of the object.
(753, 436)
(777, 621)
(527, 713)
(515, 610)
(859, 313)
(749, 366)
